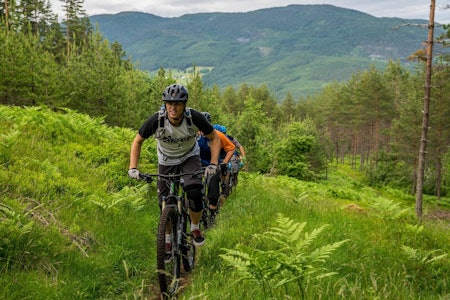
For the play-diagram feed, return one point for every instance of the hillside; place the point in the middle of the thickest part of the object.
(297, 48)
(74, 226)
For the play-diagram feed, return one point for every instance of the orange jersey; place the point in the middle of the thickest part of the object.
(225, 142)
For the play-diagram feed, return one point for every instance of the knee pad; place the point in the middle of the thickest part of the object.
(194, 194)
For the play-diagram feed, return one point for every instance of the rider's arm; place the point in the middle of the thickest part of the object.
(227, 145)
(214, 145)
(147, 129)
(242, 151)
(239, 147)
(135, 151)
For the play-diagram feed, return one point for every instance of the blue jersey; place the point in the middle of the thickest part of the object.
(205, 151)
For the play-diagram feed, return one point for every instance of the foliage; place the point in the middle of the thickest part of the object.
(67, 215)
(287, 261)
(373, 119)
(299, 152)
(73, 225)
(389, 171)
(371, 265)
(428, 257)
(388, 209)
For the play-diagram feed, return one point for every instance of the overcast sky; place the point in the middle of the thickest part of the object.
(407, 9)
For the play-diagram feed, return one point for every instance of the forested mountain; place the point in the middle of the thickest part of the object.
(296, 48)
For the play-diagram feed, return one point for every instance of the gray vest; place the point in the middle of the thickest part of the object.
(175, 144)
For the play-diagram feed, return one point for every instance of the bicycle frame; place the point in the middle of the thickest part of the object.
(175, 219)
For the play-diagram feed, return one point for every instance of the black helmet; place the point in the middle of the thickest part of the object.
(175, 92)
(207, 116)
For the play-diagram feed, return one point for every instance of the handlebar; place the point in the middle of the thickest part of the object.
(147, 177)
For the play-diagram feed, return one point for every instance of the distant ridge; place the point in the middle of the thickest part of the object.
(296, 49)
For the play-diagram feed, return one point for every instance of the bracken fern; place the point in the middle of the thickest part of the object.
(288, 259)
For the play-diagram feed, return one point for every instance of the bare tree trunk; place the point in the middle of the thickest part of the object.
(426, 108)
(438, 177)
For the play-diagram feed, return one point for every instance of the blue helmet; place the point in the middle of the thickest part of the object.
(220, 128)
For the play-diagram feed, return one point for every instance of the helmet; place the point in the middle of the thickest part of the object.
(207, 116)
(175, 93)
(221, 128)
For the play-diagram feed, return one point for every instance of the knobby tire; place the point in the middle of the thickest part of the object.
(168, 272)
(188, 247)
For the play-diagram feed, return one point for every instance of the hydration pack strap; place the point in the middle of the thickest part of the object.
(162, 117)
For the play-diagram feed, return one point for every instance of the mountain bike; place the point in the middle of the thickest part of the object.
(227, 180)
(174, 221)
(206, 220)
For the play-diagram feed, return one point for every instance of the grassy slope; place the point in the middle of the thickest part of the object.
(371, 265)
(72, 225)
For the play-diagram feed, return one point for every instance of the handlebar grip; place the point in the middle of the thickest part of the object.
(145, 177)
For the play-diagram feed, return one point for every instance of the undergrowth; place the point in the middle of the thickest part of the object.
(74, 226)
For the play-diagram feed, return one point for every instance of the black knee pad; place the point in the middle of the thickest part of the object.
(194, 194)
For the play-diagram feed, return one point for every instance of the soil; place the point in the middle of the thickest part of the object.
(438, 214)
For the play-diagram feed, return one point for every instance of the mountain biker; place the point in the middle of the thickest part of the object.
(177, 149)
(227, 149)
(238, 159)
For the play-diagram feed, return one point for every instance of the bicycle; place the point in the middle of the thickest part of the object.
(207, 219)
(227, 180)
(174, 219)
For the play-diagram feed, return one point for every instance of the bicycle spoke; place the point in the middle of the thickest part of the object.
(168, 269)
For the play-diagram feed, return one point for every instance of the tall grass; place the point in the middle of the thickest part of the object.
(376, 263)
(73, 226)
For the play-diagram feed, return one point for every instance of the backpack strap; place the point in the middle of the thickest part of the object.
(161, 117)
(188, 115)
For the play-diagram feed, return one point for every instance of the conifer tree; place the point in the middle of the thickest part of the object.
(288, 107)
(196, 91)
(77, 26)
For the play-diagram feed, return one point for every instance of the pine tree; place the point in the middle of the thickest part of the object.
(77, 26)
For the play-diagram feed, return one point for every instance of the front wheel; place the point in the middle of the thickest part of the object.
(168, 258)
(187, 244)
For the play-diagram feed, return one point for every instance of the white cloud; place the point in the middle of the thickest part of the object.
(407, 9)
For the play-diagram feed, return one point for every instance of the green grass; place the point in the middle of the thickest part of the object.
(372, 265)
(73, 226)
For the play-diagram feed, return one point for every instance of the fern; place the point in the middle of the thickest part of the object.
(388, 209)
(423, 257)
(416, 229)
(287, 261)
(134, 197)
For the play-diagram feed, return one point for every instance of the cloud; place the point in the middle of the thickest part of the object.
(407, 9)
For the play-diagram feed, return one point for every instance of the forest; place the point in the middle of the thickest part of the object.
(338, 168)
(372, 121)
